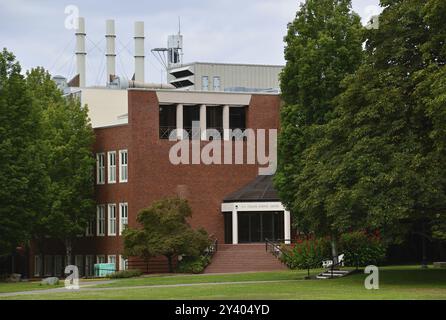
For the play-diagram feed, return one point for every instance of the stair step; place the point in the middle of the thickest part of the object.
(243, 258)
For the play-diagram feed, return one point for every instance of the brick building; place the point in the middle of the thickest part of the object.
(133, 170)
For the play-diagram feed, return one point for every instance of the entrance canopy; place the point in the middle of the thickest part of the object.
(257, 198)
(260, 189)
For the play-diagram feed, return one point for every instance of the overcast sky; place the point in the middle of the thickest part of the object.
(238, 31)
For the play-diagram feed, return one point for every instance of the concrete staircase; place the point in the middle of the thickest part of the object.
(243, 258)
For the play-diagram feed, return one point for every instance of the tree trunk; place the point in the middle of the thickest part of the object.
(27, 260)
(334, 249)
(169, 261)
(69, 249)
(42, 258)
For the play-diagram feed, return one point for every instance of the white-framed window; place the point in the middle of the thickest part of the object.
(48, 265)
(58, 265)
(89, 232)
(89, 265)
(100, 223)
(112, 258)
(100, 168)
(205, 83)
(123, 263)
(112, 219)
(100, 258)
(37, 265)
(123, 217)
(79, 262)
(112, 167)
(216, 83)
(123, 166)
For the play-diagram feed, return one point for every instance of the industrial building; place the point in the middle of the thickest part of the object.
(228, 77)
(132, 122)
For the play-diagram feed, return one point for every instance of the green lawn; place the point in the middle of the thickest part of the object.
(25, 286)
(190, 279)
(395, 283)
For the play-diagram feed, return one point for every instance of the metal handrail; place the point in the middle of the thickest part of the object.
(212, 249)
(333, 265)
(276, 250)
(165, 131)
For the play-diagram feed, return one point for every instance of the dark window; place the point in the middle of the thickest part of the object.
(237, 118)
(228, 227)
(167, 121)
(259, 226)
(214, 119)
(190, 114)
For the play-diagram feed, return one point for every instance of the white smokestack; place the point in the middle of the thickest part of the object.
(110, 37)
(80, 52)
(139, 51)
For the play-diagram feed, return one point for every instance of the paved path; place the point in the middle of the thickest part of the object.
(82, 286)
(88, 287)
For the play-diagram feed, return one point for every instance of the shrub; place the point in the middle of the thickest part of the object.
(125, 274)
(361, 249)
(305, 254)
(193, 264)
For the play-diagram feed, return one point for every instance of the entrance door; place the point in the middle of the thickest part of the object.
(258, 226)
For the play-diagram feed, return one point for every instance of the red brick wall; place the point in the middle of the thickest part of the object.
(153, 177)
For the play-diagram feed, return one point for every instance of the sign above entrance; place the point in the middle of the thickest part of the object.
(252, 206)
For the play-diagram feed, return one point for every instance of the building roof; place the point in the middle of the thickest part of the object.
(228, 64)
(261, 189)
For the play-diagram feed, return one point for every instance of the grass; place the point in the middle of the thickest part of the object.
(211, 278)
(25, 286)
(395, 283)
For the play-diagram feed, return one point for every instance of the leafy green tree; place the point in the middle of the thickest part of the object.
(323, 45)
(379, 163)
(165, 232)
(20, 166)
(67, 140)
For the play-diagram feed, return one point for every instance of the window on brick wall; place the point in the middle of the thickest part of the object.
(123, 217)
(112, 167)
(112, 219)
(89, 265)
(123, 166)
(100, 223)
(100, 168)
(89, 232)
(100, 258)
(167, 120)
(37, 266)
(123, 263)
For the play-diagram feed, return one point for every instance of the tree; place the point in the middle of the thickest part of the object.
(323, 45)
(67, 140)
(165, 232)
(379, 162)
(20, 165)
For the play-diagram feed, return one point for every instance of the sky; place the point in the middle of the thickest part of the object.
(231, 31)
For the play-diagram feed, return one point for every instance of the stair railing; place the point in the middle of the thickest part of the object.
(273, 246)
(212, 249)
(339, 263)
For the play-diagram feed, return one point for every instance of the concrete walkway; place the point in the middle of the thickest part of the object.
(87, 287)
